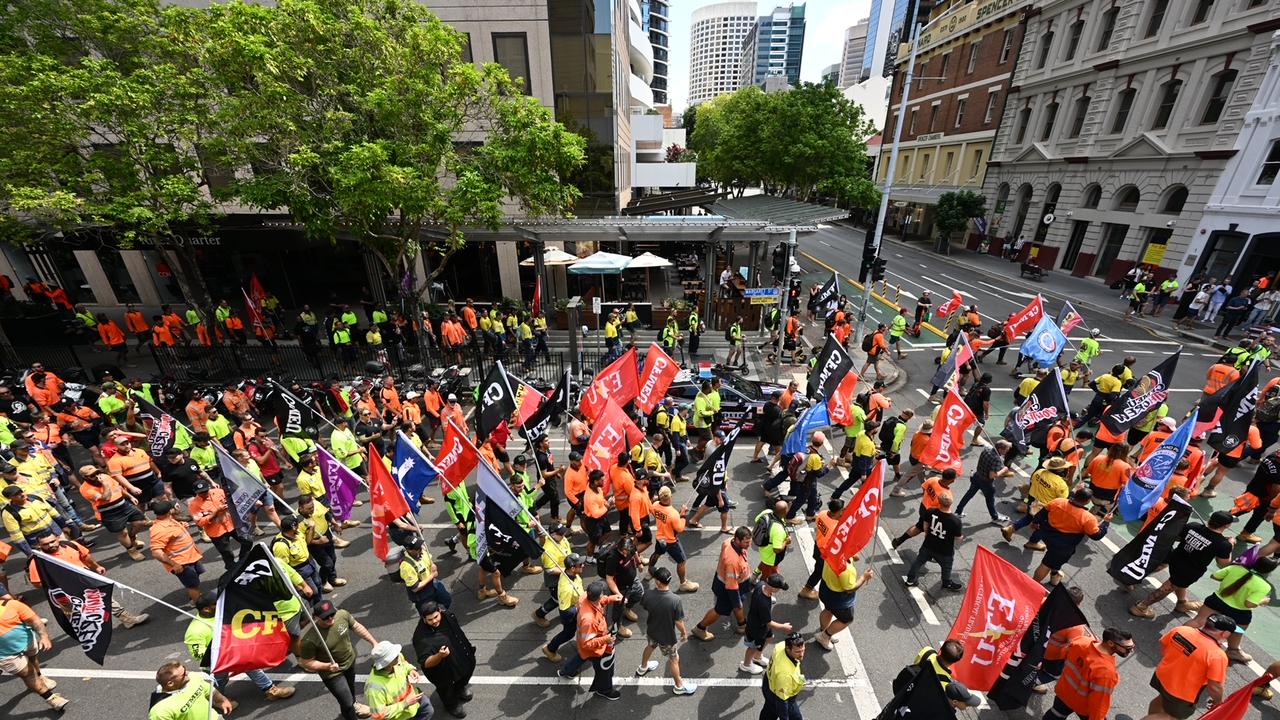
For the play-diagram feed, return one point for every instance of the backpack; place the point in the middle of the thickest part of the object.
(728, 333)
(762, 529)
(795, 463)
(907, 676)
(868, 342)
(601, 556)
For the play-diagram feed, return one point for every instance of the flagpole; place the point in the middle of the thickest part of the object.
(506, 381)
(304, 602)
(113, 581)
(295, 397)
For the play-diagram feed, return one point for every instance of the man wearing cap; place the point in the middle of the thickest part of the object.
(453, 412)
(594, 642)
(317, 526)
(199, 638)
(115, 502)
(210, 511)
(1089, 349)
(555, 548)
(136, 467)
(783, 680)
(1190, 558)
(1192, 661)
(290, 547)
(328, 649)
(390, 689)
(1064, 524)
(1047, 484)
(664, 618)
(420, 575)
(760, 623)
(569, 591)
(174, 548)
(446, 655)
(1089, 676)
(26, 517)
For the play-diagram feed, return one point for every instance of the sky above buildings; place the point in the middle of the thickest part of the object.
(825, 23)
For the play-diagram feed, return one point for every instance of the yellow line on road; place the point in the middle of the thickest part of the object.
(884, 300)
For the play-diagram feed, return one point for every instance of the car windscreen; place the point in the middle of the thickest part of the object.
(749, 389)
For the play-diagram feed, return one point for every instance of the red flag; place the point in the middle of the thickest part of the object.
(999, 606)
(840, 404)
(528, 400)
(1237, 704)
(1024, 319)
(612, 433)
(947, 439)
(535, 307)
(951, 305)
(386, 502)
(257, 293)
(659, 371)
(457, 458)
(250, 635)
(858, 523)
(617, 381)
(255, 314)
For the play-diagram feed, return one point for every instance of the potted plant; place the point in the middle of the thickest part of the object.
(560, 314)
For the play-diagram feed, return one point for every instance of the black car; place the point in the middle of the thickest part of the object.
(740, 397)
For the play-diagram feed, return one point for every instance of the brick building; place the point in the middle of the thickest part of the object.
(963, 71)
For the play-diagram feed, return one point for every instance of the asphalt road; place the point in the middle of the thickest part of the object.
(512, 679)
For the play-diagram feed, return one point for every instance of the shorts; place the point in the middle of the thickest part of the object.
(893, 339)
(1101, 444)
(1177, 707)
(1227, 461)
(294, 625)
(575, 505)
(117, 518)
(840, 605)
(702, 433)
(1182, 576)
(671, 651)
(673, 550)
(1103, 494)
(1055, 557)
(726, 600)
(913, 460)
(189, 575)
(894, 459)
(150, 488)
(596, 528)
(276, 479)
(18, 664)
(1242, 617)
(1135, 304)
(1135, 436)
(644, 534)
(756, 644)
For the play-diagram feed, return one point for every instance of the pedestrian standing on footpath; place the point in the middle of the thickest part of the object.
(665, 631)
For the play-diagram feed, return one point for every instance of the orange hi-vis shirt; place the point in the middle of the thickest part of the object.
(1150, 442)
(732, 569)
(823, 526)
(1194, 456)
(1176, 480)
(919, 441)
(624, 484)
(594, 505)
(212, 514)
(390, 398)
(1067, 518)
(1109, 475)
(69, 552)
(1089, 677)
(1189, 660)
(641, 507)
(670, 522)
(411, 412)
(575, 483)
(1105, 435)
(162, 336)
(933, 492)
(136, 322)
(171, 539)
(1056, 649)
(432, 401)
(105, 497)
(236, 402)
(1219, 376)
(198, 414)
(46, 396)
(593, 627)
(174, 322)
(136, 464)
(469, 315)
(110, 333)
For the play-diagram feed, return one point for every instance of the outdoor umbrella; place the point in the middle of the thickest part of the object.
(649, 260)
(601, 263)
(552, 257)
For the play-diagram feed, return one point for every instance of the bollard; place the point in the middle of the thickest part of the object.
(897, 297)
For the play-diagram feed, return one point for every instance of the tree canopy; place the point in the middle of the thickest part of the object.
(796, 143)
(953, 213)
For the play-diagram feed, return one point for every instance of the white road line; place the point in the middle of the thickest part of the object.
(858, 682)
(926, 610)
(824, 242)
(1028, 296)
(923, 394)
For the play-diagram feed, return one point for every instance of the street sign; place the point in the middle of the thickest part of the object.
(595, 305)
(762, 296)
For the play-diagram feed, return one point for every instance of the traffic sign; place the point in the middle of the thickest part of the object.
(762, 296)
(595, 305)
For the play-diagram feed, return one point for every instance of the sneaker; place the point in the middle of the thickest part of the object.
(1007, 533)
(897, 492)
(960, 514)
(908, 582)
(762, 661)
(647, 668)
(686, 689)
(339, 582)
(1042, 688)
(953, 585)
(49, 683)
(1001, 519)
(612, 694)
(688, 586)
(823, 640)
(327, 587)
(752, 669)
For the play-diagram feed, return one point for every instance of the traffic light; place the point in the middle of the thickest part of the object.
(779, 261)
(877, 269)
(869, 251)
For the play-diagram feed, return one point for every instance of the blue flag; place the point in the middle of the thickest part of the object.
(1045, 343)
(812, 419)
(412, 470)
(1148, 482)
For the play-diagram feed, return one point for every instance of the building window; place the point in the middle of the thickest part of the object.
(948, 166)
(1270, 166)
(1050, 117)
(1158, 10)
(1168, 98)
(924, 166)
(1081, 112)
(1046, 43)
(911, 127)
(1073, 39)
(1108, 28)
(1127, 199)
(1124, 106)
(1203, 8)
(466, 48)
(973, 56)
(511, 51)
(1007, 46)
(977, 162)
(946, 63)
(1092, 197)
(960, 105)
(1174, 200)
(992, 97)
(1219, 92)
(933, 116)
(1024, 117)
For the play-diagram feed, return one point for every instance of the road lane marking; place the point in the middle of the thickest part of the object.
(1028, 296)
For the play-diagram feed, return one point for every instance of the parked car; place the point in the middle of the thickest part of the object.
(741, 398)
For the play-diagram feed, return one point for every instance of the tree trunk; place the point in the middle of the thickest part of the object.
(191, 282)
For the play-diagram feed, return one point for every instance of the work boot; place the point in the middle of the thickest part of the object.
(808, 593)
(56, 701)
(1142, 610)
(624, 631)
(630, 615)
(362, 710)
(340, 543)
(135, 554)
(688, 586)
(485, 593)
(1029, 545)
(128, 619)
(279, 692)
(553, 657)
(539, 620)
(506, 600)
(1189, 606)
(1007, 532)
(532, 569)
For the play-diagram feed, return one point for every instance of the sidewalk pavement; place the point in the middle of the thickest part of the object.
(1085, 293)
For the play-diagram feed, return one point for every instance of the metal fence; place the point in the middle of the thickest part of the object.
(61, 359)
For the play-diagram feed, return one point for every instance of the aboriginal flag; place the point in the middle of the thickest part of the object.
(249, 632)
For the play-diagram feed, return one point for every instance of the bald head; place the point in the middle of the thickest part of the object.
(781, 507)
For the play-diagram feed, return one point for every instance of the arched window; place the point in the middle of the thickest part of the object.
(1127, 198)
(1174, 200)
(1168, 98)
(1091, 197)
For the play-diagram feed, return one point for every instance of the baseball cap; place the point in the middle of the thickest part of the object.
(413, 542)
(573, 559)
(324, 609)
(575, 455)
(1221, 517)
(452, 398)
(776, 581)
(11, 491)
(957, 691)
(289, 522)
(200, 486)
(162, 507)
(19, 445)
(662, 575)
(520, 460)
(558, 529)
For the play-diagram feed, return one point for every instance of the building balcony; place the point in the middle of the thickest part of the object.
(641, 93)
(664, 175)
(640, 51)
(646, 128)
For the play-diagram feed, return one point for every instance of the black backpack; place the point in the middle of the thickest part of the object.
(868, 342)
(601, 556)
(907, 676)
(761, 531)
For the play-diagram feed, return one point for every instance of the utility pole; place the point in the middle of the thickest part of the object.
(784, 297)
(893, 168)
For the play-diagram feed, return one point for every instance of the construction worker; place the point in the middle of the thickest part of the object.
(1089, 676)
(732, 582)
(420, 575)
(115, 502)
(26, 517)
(290, 547)
(174, 548)
(897, 329)
(595, 643)
(212, 514)
(1198, 546)
(1192, 661)
(23, 635)
(390, 688)
(703, 415)
(1063, 524)
(113, 338)
(135, 467)
(77, 555)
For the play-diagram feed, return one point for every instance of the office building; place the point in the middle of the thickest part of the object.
(773, 47)
(855, 46)
(715, 48)
(830, 75)
(656, 22)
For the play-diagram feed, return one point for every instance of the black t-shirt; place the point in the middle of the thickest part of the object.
(622, 570)
(976, 397)
(1267, 475)
(182, 476)
(759, 613)
(940, 531)
(1198, 547)
(18, 407)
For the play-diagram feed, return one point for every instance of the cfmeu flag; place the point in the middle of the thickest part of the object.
(1150, 548)
(457, 458)
(831, 365)
(858, 522)
(1151, 390)
(1149, 480)
(951, 305)
(386, 503)
(1046, 405)
(814, 418)
(249, 633)
(340, 484)
(165, 432)
(1024, 319)
(1069, 318)
(840, 402)
(999, 605)
(1237, 412)
(659, 371)
(84, 601)
(946, 442)
(618, 381)
(612, 433)
(413, 470)
(495, 402)
(1045, 343)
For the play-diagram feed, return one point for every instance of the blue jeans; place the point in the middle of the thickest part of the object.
(988, 491)
(603, 680)
(568, 627)
(259, 678)
(435, 591)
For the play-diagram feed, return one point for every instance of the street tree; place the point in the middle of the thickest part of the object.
(952, 215)
(362, 120)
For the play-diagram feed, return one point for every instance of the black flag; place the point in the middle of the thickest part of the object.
(165, 431)
(495, 402)
(249, 634)
(1150, 548)
(499, 536)
(827, 294)
(1237, 412)
(1057, 612)
(713, 469)
(1150, 390)
(922, 698)
(537, 423)
(1046, 405)
(294, 416)
(832, 364)
(84, 600)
